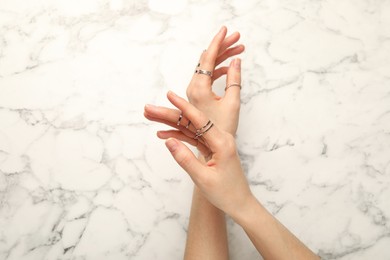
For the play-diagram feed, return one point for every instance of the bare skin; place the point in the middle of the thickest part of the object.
(207, 238)
(221, 186)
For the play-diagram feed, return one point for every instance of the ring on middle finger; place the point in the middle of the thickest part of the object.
(204, 72)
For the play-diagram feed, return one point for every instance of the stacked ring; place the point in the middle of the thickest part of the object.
(201, 131)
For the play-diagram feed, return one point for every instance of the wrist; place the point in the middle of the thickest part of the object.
(251, 209)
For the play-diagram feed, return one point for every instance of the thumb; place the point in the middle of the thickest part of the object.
(185, 158)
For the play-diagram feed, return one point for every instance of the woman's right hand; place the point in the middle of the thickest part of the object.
(221, 180)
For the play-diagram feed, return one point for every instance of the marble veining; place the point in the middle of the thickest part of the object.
(83, 176)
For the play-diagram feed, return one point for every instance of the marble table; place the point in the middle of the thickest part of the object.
(83, 175)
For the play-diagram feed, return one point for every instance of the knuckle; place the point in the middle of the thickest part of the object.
(184, 160)
(206, 55)
(220, 143)
(188, 92)
(230, 146)
(195, 96)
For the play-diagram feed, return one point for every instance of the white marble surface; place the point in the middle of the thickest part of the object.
(82, 175)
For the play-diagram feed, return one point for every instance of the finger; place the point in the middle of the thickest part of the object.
(186, 159)
(210, 55)
(229, 53)
(182, 137)
(208, 58)
(165, 134)
(220, 72)
(168, 115)
(201, 81)
(214, 136)
(185, 131)
(229, 41)
(233, 77)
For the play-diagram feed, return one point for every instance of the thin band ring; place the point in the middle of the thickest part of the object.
(201, 131)
(179, 120)
(200, 134)
(203, 127)
(233, 85)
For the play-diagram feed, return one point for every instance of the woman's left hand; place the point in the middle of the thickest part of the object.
(223, 110)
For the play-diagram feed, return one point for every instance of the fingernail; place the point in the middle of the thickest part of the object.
(171, 93)
(221, 29)
(237, 63)
(149, 107)
(171, 145)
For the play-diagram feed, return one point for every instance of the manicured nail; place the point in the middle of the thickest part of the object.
(237, 63)
(149, 107)
(171, 93)
(171, 144)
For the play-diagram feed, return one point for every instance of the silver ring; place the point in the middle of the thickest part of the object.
(200, 134)
(233, 85)
(201, 131)
(179, 120)
(205, 72)
(188, 124)
(203, 127)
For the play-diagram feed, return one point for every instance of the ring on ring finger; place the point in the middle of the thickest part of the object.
(233, 85)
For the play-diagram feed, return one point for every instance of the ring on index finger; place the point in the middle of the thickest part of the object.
(201, 131)
(179, 120)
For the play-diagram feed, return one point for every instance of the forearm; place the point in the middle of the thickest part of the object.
(269, 236)
(207, 238)
(207, 235)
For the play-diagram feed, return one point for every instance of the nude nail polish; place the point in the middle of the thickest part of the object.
(237, 63)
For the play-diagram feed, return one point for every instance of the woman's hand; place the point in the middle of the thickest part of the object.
(221, 180)
(223, 111)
